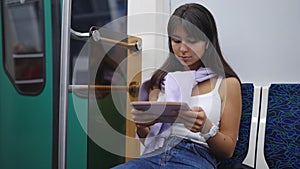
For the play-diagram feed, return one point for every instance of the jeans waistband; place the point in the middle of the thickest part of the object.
(174, 140)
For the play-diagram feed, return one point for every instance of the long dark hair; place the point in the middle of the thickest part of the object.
(198, 22)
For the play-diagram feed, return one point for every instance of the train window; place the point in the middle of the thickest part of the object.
(23, 34)
(86, 14)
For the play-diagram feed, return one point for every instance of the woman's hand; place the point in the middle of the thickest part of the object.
(195, 120)
(142, 119)
(145, 120)
(142, 122)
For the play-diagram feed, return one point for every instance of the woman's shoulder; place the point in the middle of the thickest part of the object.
(230, 85)
(231, 81)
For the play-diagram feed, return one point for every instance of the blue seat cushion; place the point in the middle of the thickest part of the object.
(282, 140)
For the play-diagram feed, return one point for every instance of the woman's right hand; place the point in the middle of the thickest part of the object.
(193, 119)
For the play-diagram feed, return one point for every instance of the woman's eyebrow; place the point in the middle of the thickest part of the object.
(175, 36)
(190, 37)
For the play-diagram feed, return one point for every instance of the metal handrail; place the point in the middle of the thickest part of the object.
(132, 89)
(104, 88)
(79, 35)
(64, 78)
(95, 34)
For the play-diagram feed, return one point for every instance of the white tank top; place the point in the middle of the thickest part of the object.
(210, 103)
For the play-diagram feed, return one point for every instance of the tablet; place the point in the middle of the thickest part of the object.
(163, 111)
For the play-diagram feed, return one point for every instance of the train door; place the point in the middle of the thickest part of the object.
(30, 85)
(26, 85)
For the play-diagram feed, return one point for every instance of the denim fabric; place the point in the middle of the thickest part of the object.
(177, 153)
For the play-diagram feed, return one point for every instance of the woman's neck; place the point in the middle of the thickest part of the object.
(194, 66)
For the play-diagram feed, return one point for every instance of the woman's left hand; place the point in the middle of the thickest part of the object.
(194, 119)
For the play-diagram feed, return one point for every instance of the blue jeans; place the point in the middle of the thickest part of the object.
(176, 154)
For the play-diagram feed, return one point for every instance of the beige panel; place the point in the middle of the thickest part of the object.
(133, 81)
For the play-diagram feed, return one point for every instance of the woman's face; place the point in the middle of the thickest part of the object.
(187, 49)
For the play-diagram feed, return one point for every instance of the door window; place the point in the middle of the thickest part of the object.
(23, 46)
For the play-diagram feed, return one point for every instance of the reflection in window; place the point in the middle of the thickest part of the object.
(24, 58)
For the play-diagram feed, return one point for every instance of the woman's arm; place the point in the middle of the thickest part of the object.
(224, 142)
(143, 129)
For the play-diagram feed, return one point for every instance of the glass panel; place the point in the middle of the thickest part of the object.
(88, 13)
(112, 68)
(24, 45)
(101, 73)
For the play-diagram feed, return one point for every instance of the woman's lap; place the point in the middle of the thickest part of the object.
(184, 155)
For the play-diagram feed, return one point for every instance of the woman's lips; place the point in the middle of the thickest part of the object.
(185, 58)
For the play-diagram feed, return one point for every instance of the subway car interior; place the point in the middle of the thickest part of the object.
(71, 68)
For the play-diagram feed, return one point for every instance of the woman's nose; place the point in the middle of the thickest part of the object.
(183, 48)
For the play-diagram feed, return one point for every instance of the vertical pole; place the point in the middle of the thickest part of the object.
(64, 82)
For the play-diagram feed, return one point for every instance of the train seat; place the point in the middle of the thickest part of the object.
(244, 153)
(279, 128)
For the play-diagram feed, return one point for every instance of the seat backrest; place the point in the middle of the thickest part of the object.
(282, 134)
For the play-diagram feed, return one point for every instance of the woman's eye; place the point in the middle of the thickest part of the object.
(192, 41)
(176, 40)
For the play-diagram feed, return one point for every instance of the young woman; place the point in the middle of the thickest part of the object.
(208, 132)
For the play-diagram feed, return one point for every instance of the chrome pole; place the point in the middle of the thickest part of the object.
(64, 70)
